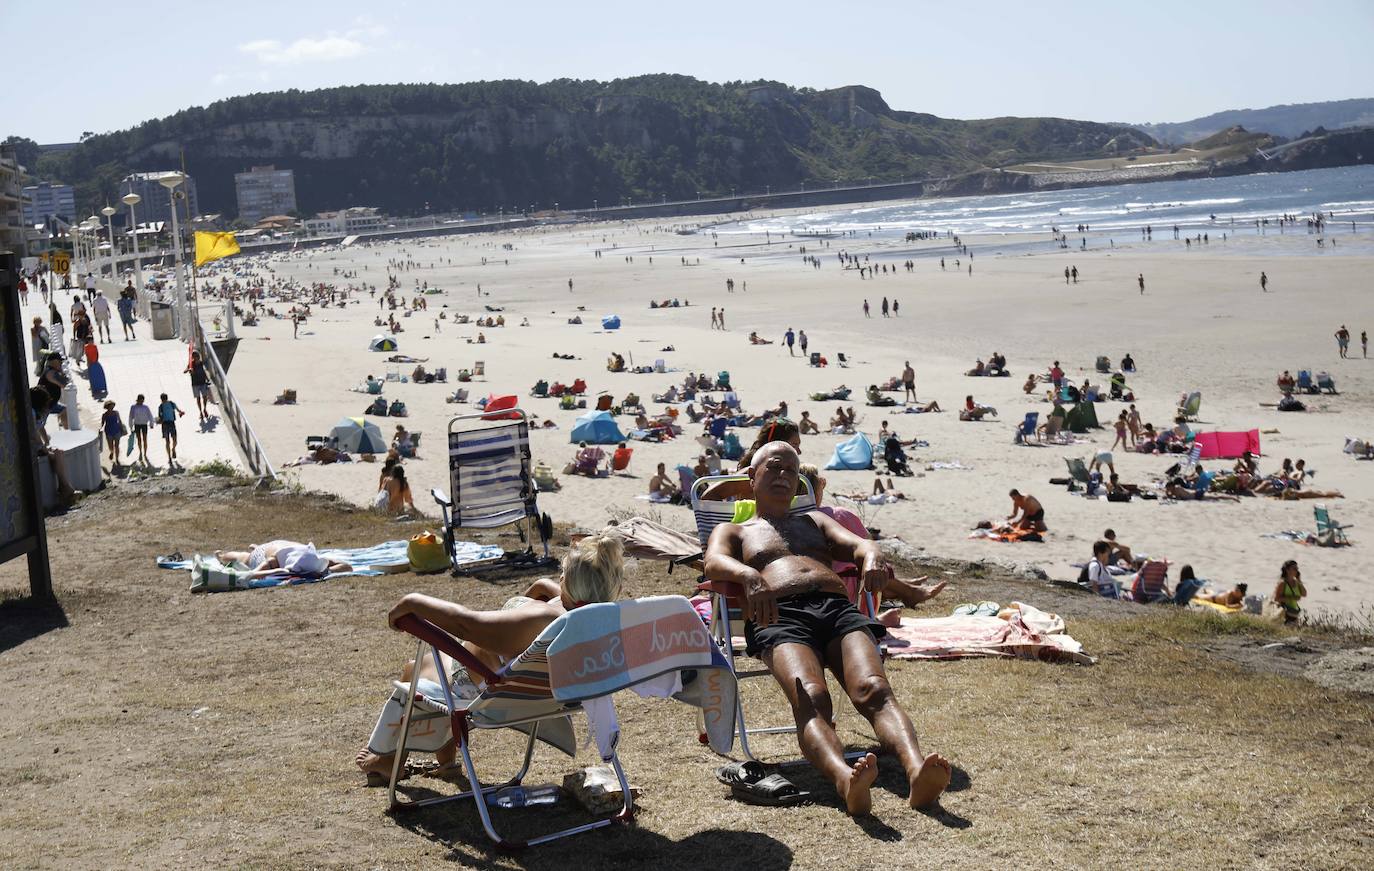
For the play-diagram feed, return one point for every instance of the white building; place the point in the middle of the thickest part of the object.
(13, 234)
(263, 191)
(352, 221)
(47, 200)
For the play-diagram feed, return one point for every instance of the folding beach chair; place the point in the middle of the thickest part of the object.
(1191, 406)
(656, 646)
(1325, 383)
(1329, 532)
(490, 474)
(1305, 381)
(1151, 583)
(1078, 470)
(1027, 428)
(727, 617)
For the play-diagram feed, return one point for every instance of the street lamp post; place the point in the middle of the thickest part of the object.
(93, 225)
(132, 199)
(170, 181)
(109, 212)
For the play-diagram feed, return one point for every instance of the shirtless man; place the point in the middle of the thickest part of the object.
(908, 382)
(1032, 512)
(661, 487)
(799, 621)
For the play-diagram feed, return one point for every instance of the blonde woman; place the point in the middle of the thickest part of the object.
(593, 571)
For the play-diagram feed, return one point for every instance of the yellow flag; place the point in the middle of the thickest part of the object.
(214, 246)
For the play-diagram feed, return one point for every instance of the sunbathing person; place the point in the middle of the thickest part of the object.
(662, 488)
(807, 426)
(292, 557)
(1231, 599)
(593, 571)
(1119, 552)
(978, 370)
(800, 619)
(755, 340)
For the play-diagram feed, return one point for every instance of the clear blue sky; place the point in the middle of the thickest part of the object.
(103, 66)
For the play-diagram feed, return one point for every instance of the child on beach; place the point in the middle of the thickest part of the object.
(1121, 427)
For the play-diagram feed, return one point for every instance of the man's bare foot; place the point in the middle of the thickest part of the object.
(891, 618)
(912, 591)
(857, 788)
(930, 781)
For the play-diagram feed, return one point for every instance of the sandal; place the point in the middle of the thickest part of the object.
(750, 783)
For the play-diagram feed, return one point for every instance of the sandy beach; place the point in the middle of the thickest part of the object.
(1202, 324)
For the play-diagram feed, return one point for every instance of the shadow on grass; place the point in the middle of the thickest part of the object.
(457, 827)
(23, 619)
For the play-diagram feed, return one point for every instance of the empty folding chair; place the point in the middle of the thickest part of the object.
(656, 646)
(490, 475)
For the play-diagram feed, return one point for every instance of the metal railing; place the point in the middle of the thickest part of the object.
(253, 452)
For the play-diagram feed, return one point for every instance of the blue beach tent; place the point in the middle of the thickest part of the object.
(610, 322)
(855, 452)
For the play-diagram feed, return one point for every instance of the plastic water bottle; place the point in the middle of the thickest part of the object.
(520, 796)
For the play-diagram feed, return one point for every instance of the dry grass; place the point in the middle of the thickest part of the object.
(159, 729)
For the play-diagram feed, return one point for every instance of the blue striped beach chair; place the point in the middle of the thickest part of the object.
(490, 475)
(657, 646)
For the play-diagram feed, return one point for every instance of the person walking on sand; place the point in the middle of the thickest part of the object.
(715, 320)
(570, 285)
(866, 312)
(1140, 279)
(1066, 276)
(1364, 344)
(802, 341)
(1343, 341)
(885, 307)
(789, 338)
(722, 318)
(1264, 282)
(908, 382)
(896, 306)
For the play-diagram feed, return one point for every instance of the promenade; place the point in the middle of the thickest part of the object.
(146, 366)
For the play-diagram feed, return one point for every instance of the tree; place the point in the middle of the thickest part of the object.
(25, 150)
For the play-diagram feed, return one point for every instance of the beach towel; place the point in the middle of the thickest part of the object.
(1029, 634)
(209, 575)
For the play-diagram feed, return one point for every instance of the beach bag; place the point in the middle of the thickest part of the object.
(209, 575)
(426, 553)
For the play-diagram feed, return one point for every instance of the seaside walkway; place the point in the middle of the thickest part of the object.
(150, 367)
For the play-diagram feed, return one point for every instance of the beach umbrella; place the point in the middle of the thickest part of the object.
(597, 428)
(382, 343)
(357, 435)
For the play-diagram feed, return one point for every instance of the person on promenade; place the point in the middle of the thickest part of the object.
(799, 620)
(167, 414)
(200, 385)
(112, 427)
(140, 418)
(125, 305)
(101, 308)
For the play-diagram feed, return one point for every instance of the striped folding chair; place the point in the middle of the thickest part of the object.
(1151, 583)
(490, 475)
(656, 646)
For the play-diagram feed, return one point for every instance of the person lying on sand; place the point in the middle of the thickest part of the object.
(797, 611)
(593, 571)
(754, 339)
(1231, 599)
(274, 557)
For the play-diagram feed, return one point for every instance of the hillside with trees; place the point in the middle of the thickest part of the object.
(409, 148)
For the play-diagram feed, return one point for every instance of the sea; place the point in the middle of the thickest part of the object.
(1342, 195)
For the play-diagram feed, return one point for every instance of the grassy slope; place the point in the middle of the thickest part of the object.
(219, 731)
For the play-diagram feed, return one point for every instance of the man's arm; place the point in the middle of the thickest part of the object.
(863, 552)
(722, 563)
(502, 632)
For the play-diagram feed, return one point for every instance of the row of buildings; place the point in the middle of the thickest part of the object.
(262, 191)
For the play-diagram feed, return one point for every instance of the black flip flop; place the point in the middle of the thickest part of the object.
(750, 782)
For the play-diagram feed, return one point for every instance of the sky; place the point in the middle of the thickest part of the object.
(1162, 60)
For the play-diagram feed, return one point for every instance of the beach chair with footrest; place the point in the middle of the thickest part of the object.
(490, 476)
(656, 646)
